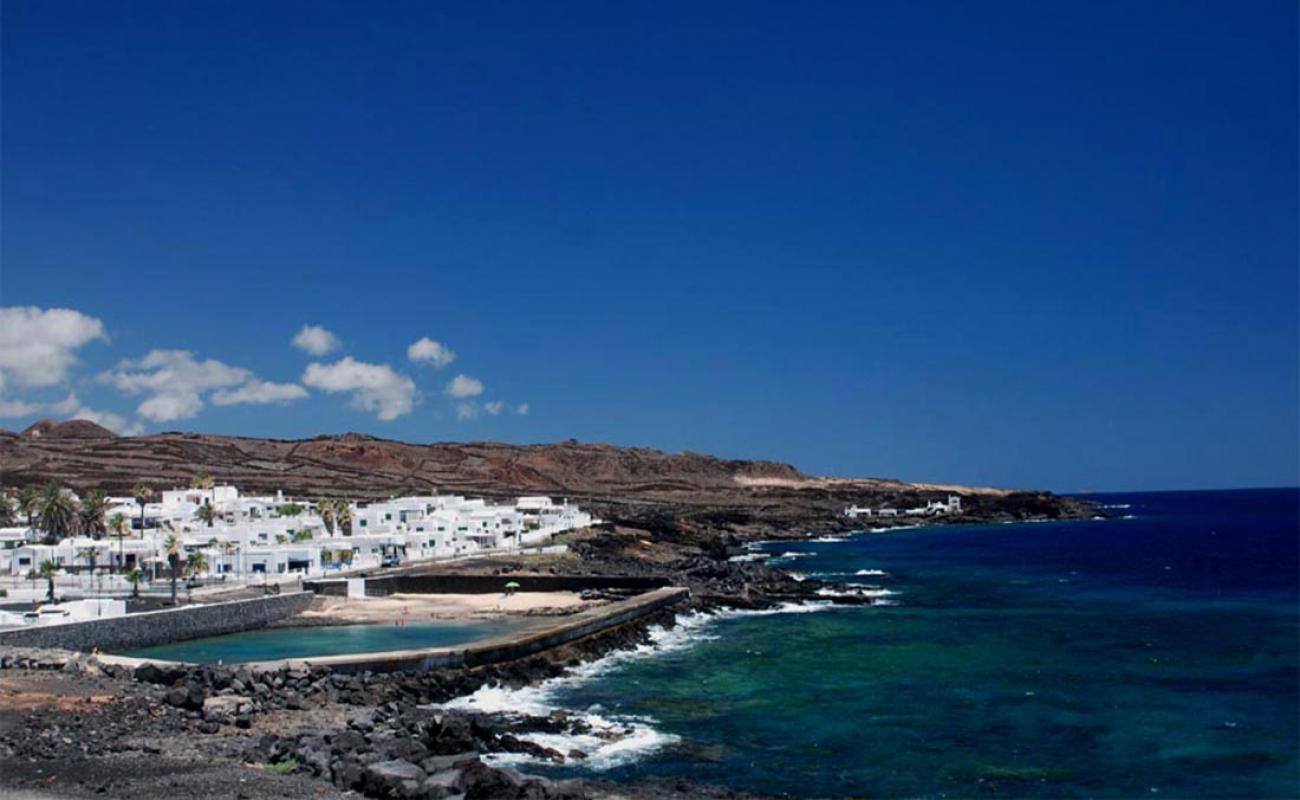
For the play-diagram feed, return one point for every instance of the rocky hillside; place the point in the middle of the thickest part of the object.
(650, 488)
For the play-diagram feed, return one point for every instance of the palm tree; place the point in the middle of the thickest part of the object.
(343, 515)
(202, 480)
(6, 510)
(172, 547)
(27, 504)
(117, 527)
(325, 508)
(142, 492)
(206, 514)
(93, 507)
(196, 564)
(135, 576)
(48, 568)
(58, 513)
(88, 555)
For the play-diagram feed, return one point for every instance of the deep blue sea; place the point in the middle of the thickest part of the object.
(1156, 654)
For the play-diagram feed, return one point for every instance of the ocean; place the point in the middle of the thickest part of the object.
(1156, 653)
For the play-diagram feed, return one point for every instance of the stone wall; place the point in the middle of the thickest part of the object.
(160, 627)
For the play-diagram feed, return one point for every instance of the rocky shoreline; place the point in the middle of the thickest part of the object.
(369, 735)
(73, 726)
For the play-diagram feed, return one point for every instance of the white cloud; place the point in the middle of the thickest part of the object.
(466, 411)
(170, 406)
(18, 408)
(258, 393)
(495, 407)
(463, 386)
(67, 406)
(174, 380)
(522, 410)
(177, 382)
(374, 387)
(316, 340)
(431, 352)
(37, 346)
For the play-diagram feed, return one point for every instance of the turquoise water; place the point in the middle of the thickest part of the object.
(267, 645)
(1155, 657)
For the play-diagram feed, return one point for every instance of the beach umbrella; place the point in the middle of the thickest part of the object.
(512, 585)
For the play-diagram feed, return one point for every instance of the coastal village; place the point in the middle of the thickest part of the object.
(68, 546)
(934, 508)
(301, 644)
(334, 640)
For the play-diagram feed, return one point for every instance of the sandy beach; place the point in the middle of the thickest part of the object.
(423, 607)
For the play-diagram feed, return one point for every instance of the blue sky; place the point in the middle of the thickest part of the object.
(1005, 243)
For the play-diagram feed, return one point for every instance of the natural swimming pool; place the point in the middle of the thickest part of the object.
(277, 643)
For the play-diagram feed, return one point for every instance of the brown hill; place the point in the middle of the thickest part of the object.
(72, 429)
(646, 486)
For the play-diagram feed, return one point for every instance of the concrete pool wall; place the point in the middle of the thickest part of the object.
(150, 628)
(504, 648)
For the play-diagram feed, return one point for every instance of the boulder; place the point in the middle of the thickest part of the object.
(225, 708)
(459, 761)
(442, 785)
(155, 674)
(348, 774)
(348, 742)
(393, 778)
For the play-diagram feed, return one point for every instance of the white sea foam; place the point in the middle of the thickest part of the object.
(798, 576)
(830, 539)
(614, 739)
(749, 557)
(858, 591)
(795, 554)
(871, 572)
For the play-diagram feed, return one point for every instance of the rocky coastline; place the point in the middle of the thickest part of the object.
(72, 725)
(372, 735)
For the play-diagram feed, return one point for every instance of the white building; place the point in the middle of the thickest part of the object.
(251, 536)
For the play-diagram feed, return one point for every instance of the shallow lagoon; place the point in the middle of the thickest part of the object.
(277, 643)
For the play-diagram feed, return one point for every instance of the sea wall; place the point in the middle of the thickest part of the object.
(160, 627)
(435, 583)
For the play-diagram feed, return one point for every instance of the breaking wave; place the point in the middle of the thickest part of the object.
(861, 591)
(612, 739)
